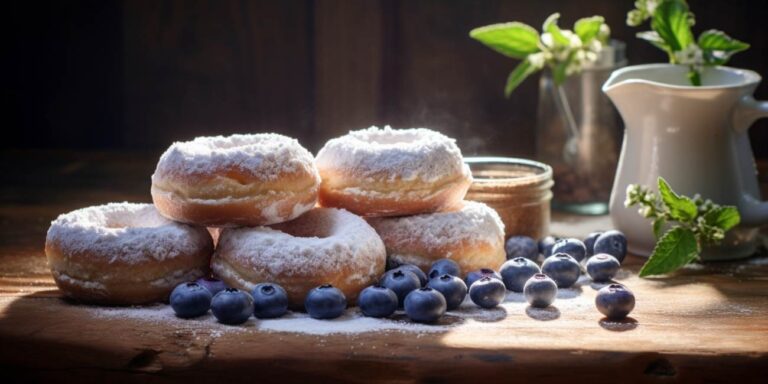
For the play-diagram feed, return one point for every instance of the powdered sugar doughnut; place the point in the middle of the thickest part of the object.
(237, 180)
(323, 246)
(471, 234)
(388, 172)
(123, 253)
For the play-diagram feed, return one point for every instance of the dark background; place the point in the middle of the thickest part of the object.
(141, 74)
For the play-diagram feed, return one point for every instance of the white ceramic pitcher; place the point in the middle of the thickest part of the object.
(694, 137)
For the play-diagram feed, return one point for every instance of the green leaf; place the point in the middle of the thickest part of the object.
(550, 25)
(658, 226)
(516, 40)
(653, 38)
(675, 249)
(714, 40)
(520, 73)
(559, 71)
(670, 20)
(587, 28)
(725, 217)
(681, 208)
(718, 47)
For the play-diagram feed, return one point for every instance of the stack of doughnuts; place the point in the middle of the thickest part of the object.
(410, 184)
(279, 215)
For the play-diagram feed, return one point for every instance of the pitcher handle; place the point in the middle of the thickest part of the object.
(748, 111)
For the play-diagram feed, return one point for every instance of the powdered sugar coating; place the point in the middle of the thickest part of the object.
(473, 222)
(124, 232)
(262, 156)
(393, 154)
(342, 241)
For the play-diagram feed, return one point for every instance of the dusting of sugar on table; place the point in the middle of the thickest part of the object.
(353, 322)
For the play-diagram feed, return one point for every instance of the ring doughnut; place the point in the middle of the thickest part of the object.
(388, 172)
(471, 234)
(123, 253)
(236, 180)
(323, 246)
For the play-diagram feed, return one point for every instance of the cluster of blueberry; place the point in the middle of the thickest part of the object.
(603, 253)
(425, 297)
(228, 305)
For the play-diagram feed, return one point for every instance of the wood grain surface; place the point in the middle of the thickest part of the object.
(707, 323)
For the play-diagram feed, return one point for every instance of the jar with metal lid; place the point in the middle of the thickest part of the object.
(519, 190)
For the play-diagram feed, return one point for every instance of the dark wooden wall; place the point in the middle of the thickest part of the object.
(142, 73)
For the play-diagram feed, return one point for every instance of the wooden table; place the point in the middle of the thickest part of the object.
(706, 323)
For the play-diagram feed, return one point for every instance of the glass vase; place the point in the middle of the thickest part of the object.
(579, 134)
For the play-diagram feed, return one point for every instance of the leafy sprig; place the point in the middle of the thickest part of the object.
(563, 51)
(671, 22)
(692, 222)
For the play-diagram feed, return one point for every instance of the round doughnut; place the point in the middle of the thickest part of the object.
(470, 233)
(237, 180)
(323, 246)
(123, 253)
(388, 172)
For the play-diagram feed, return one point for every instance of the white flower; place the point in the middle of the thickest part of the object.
(650, 6)
(574, 42)
(547, 40)
(604, 33)
(537, 60)
(691, 55)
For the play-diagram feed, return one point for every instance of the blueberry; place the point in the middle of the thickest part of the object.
(212, 284)
(402, 282)
(480, 273)
(487, 292)
(615, 301)
(573, 247)
(377, 301)
(514, 273)
(545, 245)
(444, 267)
(540, 290)
(190, 300)
(562, 268)
(325, 302)
(269, 301)
(416, 271)
(589, 242)
(232, 306)
(425, 305)
(602, 267)
(452, 287)
(613, 243)
(522, 246)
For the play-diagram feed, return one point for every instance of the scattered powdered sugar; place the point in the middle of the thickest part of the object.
(351, 322)
(473, 222)
(125, 232)
(263, 156)
(320, 242)
(393, 154)
(90, 285)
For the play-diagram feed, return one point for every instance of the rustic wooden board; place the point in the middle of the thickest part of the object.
(706, 323)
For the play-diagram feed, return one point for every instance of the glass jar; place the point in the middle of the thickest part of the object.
(518, 189)
(579, 134)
